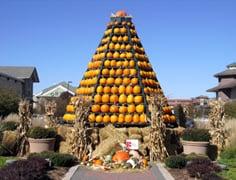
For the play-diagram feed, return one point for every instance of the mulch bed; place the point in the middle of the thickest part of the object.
(57, 173)
(180, 174)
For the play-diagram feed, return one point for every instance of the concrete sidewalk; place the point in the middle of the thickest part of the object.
(157, 172)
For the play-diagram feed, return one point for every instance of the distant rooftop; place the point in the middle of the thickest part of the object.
(20, 72)
(230, 71)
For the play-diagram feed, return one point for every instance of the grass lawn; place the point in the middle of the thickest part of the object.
(3, 160)
(231, 164)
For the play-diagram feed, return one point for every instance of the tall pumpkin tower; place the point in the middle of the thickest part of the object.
(119, 79)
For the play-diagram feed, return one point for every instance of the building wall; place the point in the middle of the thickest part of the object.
(223, 95)
(226, 80)
(11, 85)
(28, 88)
(233, 94)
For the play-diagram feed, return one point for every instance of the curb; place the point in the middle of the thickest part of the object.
(70, 173)
(164, 172)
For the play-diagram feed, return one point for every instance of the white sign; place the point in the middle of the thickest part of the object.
(132, 144)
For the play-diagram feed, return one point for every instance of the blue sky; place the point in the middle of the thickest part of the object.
(187, 41)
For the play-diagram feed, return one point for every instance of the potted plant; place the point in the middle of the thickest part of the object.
(41, 139)
(195, 140)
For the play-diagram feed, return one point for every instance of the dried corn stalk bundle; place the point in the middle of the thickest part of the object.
(24, 126)
(217, 124)
(158, 129)
(50, 110)
(79, 141)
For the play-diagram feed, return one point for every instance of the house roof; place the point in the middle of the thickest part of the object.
(229, 84)
(63, 84)
(20, 72)
(230, 71)
(11, 77)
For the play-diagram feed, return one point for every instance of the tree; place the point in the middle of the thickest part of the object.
(8, 103)
(180, 115)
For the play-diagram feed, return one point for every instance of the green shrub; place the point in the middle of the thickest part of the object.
(8, 126)
(229, 153)
(230, 109)
(193, 156)
(193, 134)
(177, 162)
(3, 151)
(8, 103)
(41, 133)
(57, 159)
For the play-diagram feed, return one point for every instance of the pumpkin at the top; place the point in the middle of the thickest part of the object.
(121, 13)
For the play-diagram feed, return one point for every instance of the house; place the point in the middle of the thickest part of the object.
(18, 80)
(197, 101)
(226, 89)
(56, 90)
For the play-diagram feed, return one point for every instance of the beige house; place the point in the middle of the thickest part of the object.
(226, 89)
(18, 80)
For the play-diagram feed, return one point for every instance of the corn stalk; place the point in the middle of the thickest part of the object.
(79, 141)
(24, 126)
(217, 125)
(50, 110)
(157, 146)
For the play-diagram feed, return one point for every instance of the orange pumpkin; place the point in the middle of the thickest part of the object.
(91, 118)
(105, 98)
(113, 118)
(133, 72)
(119, 72)
(118, 81)
(136, 118)
(97, 162)
(122, 89)
(123, 109)
(126, 72)
(121, 118)
(97, 98)
(138, 99)
(117, 46)
(122, 47)
(105, 108)
(102, 81)
(112, 72)
(137, 89)
(116, 55)
(130, 99)
(116, 30)
(128, 47)
(119, 63)
(132, 63)
(140, 108)
(114, 109)
(106, 89)
(122, 98)
(126, 81)
(134, 81)
(110, 80)
(99, 89)
(125, 63)
(114, 39)
(95, 108)
(113, 63)
(70, 108)
(131, 108)
(111, 46)
(125, 38)
(120, 39)
(109, 55)
(120, 156)
(142, 118)
(98, 119)
(114, 90)
(105, 72)
(128, 118)
(106, 119)
(129, 90)
(114, 98)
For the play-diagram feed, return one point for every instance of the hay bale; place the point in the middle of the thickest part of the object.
(145, 131)
(9, 140)
(63, 130)
(105, 147)
(146, 139)
(64, 148)
(136, 136)
(134, 130)
(123, 130)
(111, 131)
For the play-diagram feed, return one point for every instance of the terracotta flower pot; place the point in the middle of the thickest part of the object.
(40, 145)
(198, 147)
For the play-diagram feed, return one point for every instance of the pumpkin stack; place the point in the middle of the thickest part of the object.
(119, 79)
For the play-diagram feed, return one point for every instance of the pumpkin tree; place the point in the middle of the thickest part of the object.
(119, 79)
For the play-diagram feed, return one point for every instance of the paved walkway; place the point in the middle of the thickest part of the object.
(86, 174)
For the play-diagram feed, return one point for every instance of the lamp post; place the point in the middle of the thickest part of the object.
(68, 85)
